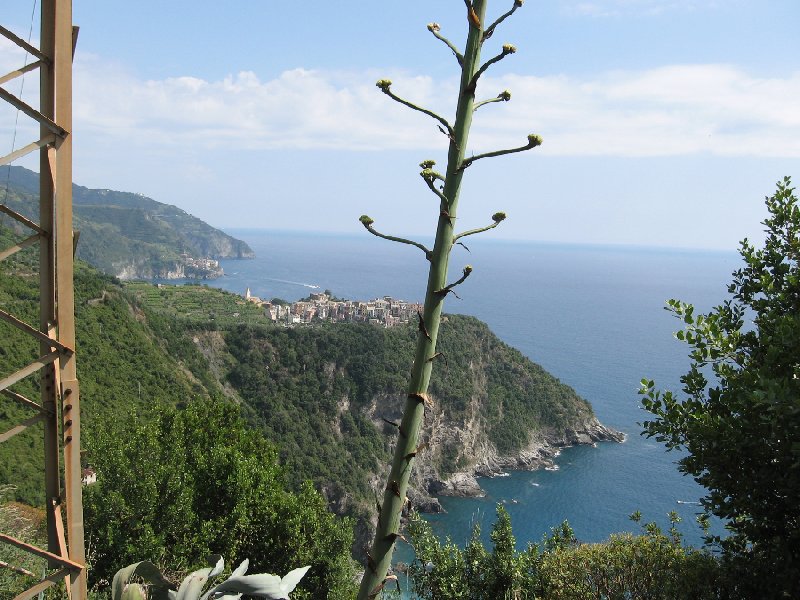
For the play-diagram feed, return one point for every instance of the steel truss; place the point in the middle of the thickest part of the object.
(59, 402)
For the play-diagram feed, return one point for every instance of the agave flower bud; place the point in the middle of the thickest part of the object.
(365, 220)
(498, 217)
(384, 84)
(433, 27)
(427, 164)
(518, 3)
(505, 95)
(534, 140)
(467, 270)
(509, 49)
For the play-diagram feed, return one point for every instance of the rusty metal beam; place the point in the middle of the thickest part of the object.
(9, 158)
(22, 400)
(42, 337)
(21, 71)
(24, 372)
(65, 39)
(10, 35)
(59, 390)
(30, 241)
(24, 220)
(5, 436)
(61, 561)
(32, 113)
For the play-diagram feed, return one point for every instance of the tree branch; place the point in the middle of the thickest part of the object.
(497, 218)
(367, 223)
(507, 49)
(533, 141)
(385, 86)
(449, 288)
(490, 30)
(434, 29)
(503, 96)
(431, 177)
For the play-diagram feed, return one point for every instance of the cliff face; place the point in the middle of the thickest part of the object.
(333, 396)
(466, 440)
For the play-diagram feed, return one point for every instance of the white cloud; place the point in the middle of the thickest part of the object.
(675, 110)
(666, 111)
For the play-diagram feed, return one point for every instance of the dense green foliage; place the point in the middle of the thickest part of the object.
(198, 481)
(309, 389)
(121, 365)
(323, 387)
(124, 231)
(740, 416)
(651, 566)
(317, 393)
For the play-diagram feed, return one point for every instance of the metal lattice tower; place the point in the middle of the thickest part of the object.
(58, 406)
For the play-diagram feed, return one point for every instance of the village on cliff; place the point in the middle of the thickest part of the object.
(386, 311)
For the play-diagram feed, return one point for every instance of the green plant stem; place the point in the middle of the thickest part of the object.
(394, 497)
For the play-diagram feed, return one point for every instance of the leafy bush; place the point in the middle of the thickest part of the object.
(739, 417)
(651, 566)
(191, 481)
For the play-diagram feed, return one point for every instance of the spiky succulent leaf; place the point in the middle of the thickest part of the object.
(147, 571)
(264, 585)
(193, 585)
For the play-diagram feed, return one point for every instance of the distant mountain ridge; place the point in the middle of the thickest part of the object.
(132, 236)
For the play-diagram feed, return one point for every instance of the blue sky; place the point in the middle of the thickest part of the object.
(665, 122)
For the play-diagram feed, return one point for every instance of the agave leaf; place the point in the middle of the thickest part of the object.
(217, 563)
(263, 584)
(238, 571)
(147, 571)
(241, 569)
(293, 577)
(134, 591)
(192, 586)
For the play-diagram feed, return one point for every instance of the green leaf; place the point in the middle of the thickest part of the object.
(146, 570)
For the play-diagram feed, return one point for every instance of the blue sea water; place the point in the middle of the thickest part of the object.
(591, 315)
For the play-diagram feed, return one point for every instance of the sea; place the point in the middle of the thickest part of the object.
(593, 316)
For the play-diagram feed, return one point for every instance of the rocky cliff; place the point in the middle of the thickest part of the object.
(332, 397)
(466, 440)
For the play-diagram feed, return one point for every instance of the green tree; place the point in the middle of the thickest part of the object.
(739, 415)
(195, 482)
(651, 566)
(445, 572)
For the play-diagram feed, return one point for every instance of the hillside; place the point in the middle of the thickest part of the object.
(328, 393)
(325, 395)
(122, 367)
(131, 236)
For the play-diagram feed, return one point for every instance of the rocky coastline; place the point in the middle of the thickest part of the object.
(539, 454)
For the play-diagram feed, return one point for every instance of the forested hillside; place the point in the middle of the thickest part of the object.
(327, 396)
(129, 235)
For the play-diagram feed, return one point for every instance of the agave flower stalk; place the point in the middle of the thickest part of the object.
(447, 188)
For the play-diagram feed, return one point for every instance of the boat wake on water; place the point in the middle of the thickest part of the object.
(300, 283)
